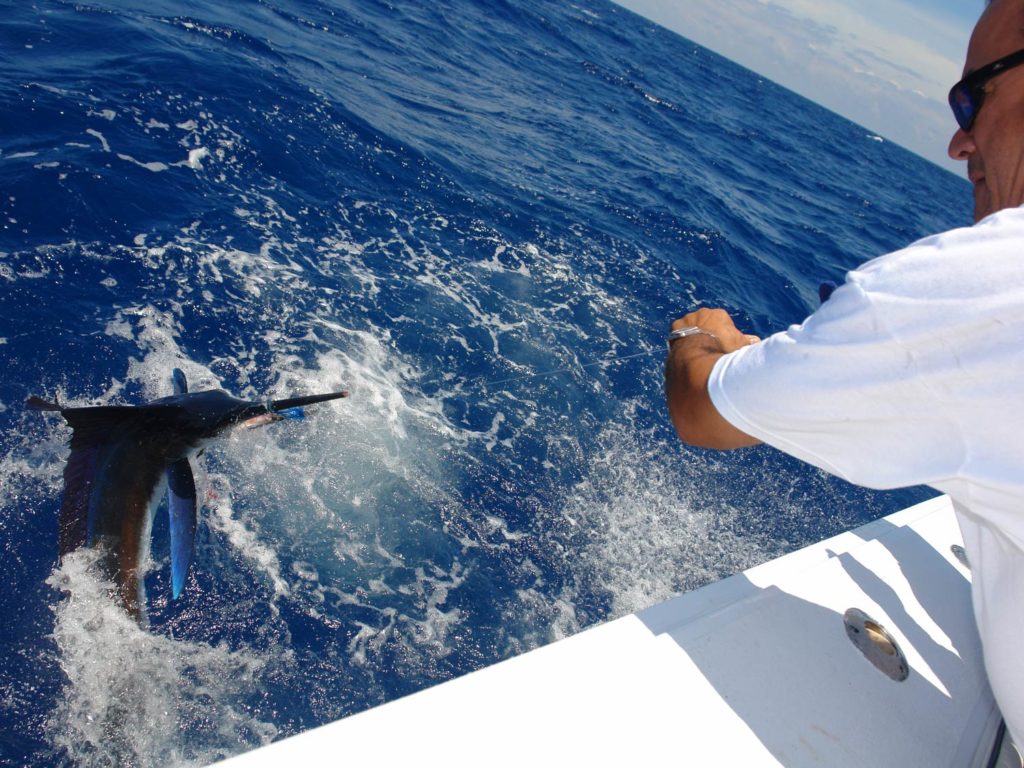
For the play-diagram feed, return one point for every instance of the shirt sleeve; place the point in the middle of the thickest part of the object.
(844, 393)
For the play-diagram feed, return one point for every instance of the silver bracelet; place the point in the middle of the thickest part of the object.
(689, 330)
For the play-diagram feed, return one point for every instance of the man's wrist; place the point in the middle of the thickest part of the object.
(689, 330)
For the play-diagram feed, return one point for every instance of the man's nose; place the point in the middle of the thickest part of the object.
(961, 146)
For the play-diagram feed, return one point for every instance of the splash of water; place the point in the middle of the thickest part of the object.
(131, 694)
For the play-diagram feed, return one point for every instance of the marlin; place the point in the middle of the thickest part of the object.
(121, 458)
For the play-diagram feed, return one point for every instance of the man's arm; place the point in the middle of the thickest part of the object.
(687, 370)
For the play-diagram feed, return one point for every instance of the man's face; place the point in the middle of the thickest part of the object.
(994, 147)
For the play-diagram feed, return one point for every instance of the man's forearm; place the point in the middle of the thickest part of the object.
(687, 371)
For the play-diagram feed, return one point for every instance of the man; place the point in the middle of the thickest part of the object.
(913, 371)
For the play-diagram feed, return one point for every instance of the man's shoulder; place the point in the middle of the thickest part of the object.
(1007, 224)
(991, 251)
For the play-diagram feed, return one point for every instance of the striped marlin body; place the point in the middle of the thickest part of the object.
(120, 457)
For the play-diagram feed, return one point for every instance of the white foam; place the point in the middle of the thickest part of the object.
(195, 159)
(51, 89)
(243, 538)
(155, 167)
(646, 535)
(130, 695)
(37, 462)
(103, 139)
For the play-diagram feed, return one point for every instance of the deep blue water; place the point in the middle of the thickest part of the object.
(479, 216)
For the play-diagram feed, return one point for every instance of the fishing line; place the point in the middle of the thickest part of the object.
(483, 384)
(825, 290)
(567, 369)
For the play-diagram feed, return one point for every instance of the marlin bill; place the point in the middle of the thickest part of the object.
(122, 456)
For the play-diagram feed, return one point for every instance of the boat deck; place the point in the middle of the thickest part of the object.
(757, 669)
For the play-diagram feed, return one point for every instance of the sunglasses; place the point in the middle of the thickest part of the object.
(967, 96)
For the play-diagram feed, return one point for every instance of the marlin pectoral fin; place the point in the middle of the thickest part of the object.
(181, 498)
(179, 381)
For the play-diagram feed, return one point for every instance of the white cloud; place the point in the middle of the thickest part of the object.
(885, 64)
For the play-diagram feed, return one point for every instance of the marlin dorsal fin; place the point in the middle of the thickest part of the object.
(36, 403)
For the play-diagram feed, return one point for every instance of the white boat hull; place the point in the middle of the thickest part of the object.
(755, 670)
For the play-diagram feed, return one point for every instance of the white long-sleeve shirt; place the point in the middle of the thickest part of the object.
(913, 373)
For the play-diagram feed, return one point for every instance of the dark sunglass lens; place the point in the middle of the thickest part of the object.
(964, 102)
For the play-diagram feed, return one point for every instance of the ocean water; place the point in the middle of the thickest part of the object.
(480, 216)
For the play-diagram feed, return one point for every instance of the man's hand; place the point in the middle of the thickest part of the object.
(718, 323)
(687, 369)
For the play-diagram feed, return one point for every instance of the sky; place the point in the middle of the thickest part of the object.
(885, 64)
